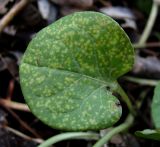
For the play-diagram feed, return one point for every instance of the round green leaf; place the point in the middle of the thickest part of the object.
(67, 67)
(155, 107)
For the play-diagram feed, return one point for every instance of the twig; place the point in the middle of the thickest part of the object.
(14, 105)
(12, 13)
(71, 135)
(23, 123)
(8, 104)
(142, 81)
(124, 126)
(20, 134)
(10, 89)
(144, 45)
(150, 23)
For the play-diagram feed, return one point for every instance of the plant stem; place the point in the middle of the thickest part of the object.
(141, 99)
(150, 23)
(125, 99)
(124, 126)
(72, 135)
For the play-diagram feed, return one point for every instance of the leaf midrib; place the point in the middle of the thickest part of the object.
(107, 83)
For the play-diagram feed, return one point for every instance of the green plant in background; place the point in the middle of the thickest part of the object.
(155, 107)
(143, 5)
(69, 73)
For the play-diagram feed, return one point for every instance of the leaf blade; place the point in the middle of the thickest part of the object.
(67, 66)
(155, 107)
(149, 134)
(82, 108)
